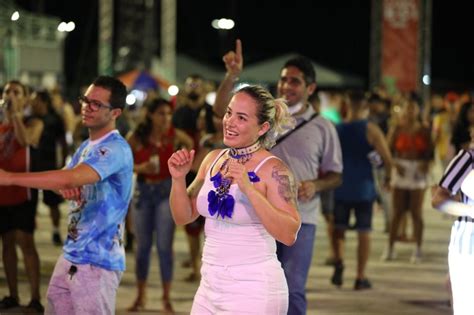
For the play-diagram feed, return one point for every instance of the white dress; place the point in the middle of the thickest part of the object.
(240, 273)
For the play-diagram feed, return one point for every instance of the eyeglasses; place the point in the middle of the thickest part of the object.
(93, 105)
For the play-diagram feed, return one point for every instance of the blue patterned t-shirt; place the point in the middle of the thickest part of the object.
(96, 220)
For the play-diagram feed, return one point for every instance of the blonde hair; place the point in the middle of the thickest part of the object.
(271, 110)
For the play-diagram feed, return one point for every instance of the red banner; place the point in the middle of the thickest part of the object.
(400, 44)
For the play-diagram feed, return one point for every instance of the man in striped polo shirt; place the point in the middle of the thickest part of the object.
(455, 196)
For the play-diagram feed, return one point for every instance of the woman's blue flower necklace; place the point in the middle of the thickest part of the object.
(220, 201)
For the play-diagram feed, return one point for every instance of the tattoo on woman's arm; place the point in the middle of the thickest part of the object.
(286, 187)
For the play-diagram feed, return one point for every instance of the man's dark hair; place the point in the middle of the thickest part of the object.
(118, 91)
(26, 90)
(374, 98)
(45, 97)
(305, 65)
(415, 97)
(144, 128)
(195, 76)
(356, 97)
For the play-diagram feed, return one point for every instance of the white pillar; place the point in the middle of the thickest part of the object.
(168, 39)
(106, 32)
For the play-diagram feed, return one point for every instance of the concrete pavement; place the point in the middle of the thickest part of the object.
(399, 287)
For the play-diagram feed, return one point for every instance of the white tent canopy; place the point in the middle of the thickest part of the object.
(264, 72)
(269, 71)
(186, 65)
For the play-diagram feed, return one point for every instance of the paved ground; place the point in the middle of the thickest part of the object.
(399, 287)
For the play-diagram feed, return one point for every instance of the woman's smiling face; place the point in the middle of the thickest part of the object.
(241, 127)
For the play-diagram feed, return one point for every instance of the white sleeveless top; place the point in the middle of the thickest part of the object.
(239, 240)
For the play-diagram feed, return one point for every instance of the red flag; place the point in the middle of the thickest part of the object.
(400, 43)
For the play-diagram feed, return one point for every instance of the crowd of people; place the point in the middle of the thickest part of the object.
(251, 171)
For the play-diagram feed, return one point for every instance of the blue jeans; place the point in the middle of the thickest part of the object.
(296, 260)
(152, 213)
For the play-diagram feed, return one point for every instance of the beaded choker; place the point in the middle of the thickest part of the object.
(243, 155)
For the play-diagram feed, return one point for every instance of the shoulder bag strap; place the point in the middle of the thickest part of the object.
(296, 128)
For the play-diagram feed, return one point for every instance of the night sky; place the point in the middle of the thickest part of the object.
(335, 33)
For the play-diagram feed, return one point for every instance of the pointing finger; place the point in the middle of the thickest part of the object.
(238, 49)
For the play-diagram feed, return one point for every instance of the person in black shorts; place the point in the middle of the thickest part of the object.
(17, 204)
(44, 156)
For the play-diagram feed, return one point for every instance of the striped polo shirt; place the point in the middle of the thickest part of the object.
(462, 232)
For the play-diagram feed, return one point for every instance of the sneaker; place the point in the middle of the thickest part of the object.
(388, 255)
(362, 284)
(36, 305)
(9, 302)
(336, 278)
(416, 257)
(57, 240)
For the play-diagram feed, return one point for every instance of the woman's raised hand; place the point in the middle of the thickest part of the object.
(179, 164)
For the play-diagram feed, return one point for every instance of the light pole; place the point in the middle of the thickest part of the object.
(10, 48)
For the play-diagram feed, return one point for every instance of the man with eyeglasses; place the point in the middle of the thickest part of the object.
(97, 183)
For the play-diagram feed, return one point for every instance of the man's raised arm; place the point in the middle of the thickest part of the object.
(233, 61)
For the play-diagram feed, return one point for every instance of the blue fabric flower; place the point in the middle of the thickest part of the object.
(220, 201)
(253, 177)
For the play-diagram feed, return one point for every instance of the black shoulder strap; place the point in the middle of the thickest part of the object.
(296, 128)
